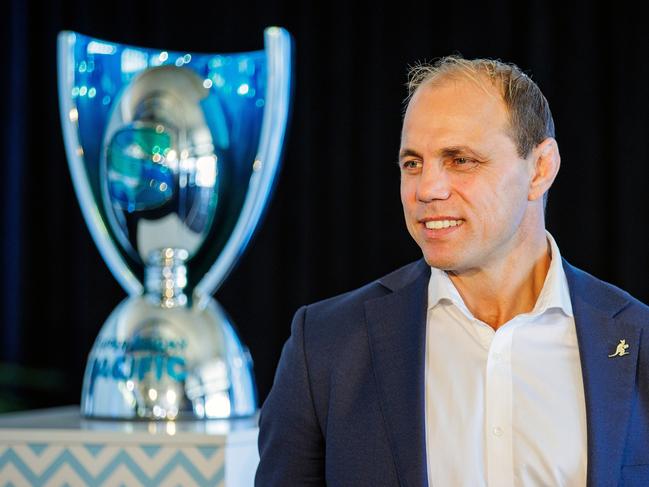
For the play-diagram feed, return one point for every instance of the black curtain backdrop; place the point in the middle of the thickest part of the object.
(335, 221)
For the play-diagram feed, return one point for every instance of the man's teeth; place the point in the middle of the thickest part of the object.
(439, 224)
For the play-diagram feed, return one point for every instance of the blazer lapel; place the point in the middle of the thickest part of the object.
(397, 336)
(609, 382)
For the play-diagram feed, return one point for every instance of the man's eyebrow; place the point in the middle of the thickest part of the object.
(408, 153)
(450, 151)
(459, 150)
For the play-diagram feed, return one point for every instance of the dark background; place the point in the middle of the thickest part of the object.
(335, 221)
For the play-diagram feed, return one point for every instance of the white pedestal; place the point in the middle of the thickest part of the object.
(56, 447)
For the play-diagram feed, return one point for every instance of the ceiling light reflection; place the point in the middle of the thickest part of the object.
(96, 47)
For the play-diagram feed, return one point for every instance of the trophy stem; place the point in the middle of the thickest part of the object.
(165, 277)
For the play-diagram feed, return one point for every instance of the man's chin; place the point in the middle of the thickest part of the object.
(444, 263)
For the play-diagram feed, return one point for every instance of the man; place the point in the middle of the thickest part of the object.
(490, 362)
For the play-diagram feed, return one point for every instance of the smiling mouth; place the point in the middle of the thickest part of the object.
(441, 224)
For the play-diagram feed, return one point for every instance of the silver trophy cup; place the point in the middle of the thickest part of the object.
(173, 157)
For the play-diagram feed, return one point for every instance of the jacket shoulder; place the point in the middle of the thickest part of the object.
(605, 296)
(339, 322)
(350, 305)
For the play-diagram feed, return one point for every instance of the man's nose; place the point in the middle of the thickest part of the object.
(434, 183)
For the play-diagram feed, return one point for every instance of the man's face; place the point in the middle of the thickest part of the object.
(464, 188)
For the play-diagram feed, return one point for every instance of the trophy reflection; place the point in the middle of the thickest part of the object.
(173, 157)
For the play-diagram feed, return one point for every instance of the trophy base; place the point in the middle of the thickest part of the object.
(153, 363)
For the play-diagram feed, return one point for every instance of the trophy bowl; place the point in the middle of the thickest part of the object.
(173, 157)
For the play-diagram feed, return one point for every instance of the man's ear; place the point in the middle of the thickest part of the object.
(545, 166)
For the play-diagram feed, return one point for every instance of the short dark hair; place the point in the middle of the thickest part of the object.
(530, 119)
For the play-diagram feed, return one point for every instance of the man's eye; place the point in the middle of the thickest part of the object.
(464, 162)
(412, 164)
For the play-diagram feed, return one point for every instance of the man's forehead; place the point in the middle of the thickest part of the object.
(461, 100)
(454, 111)
(462, 89)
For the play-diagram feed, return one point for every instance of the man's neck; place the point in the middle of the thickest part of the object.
(498, 293)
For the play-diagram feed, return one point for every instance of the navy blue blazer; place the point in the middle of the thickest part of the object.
(347, 405)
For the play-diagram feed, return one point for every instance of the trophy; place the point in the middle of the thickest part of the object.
(173, 156)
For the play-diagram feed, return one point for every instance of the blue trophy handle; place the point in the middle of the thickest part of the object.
(80, 178)
(278, 47)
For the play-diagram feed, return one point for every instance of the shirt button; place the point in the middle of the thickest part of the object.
(497, 431)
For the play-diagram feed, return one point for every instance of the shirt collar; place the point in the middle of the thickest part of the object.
(554, 294)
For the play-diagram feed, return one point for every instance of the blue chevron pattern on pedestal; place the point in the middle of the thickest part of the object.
(59, 465)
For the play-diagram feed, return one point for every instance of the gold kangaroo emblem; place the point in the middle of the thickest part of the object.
(621, 349)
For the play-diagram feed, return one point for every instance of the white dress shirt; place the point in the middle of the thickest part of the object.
(504, 408)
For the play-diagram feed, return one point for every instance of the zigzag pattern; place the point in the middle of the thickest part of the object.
(97, 465)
